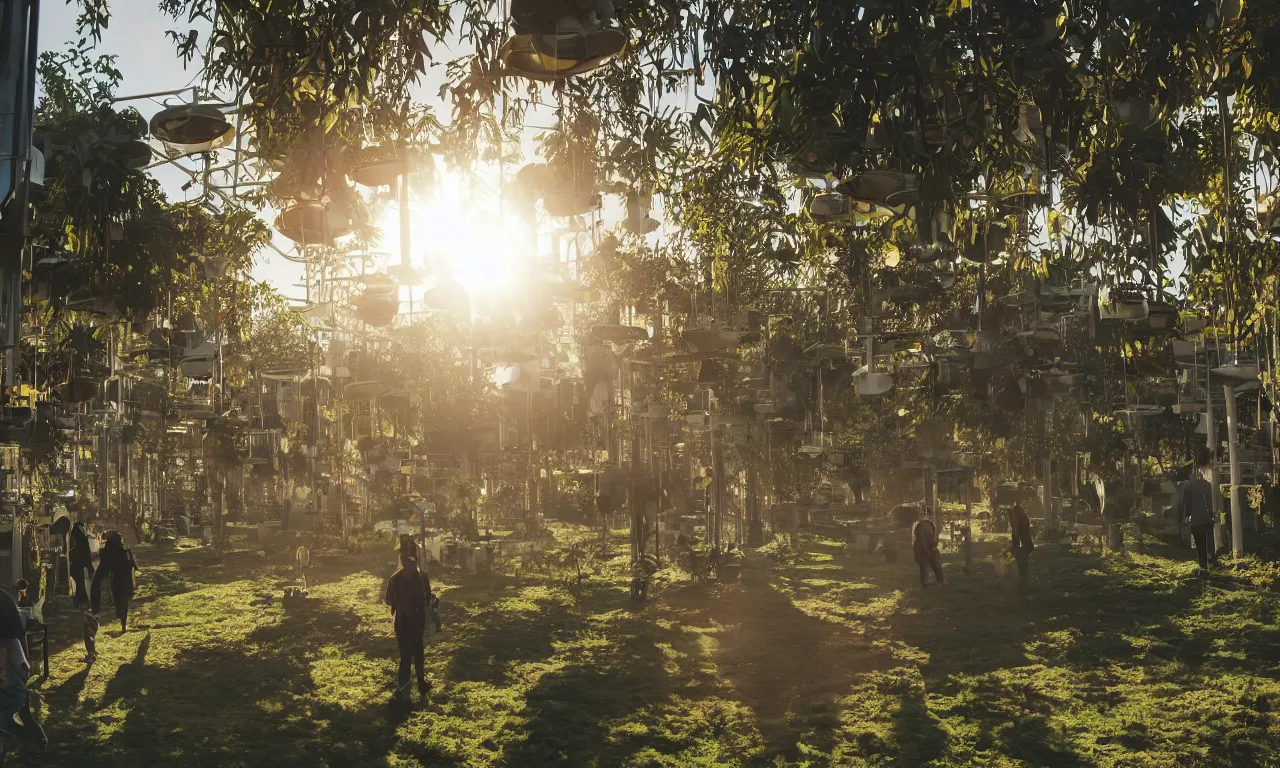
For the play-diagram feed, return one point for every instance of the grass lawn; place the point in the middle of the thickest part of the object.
(814, 659)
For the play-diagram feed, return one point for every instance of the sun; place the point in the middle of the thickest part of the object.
(462, 231)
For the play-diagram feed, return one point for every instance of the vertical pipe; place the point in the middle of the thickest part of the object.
(1233, 452)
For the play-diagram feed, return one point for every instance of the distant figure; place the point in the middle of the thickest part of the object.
(14, 671)
(1194, 503)
(22, 586)
(1020, 530)
(117, 563)
(409, 595)
(924, 542)
(80, 557)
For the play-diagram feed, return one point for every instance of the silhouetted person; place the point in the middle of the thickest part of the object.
(409, 595)
(1021, 546)
(80, 557)
(924, 543)
(115, 562)
(1194, 503)
(14, 671)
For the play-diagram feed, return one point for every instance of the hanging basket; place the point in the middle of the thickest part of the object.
(313, 223)
(619, 333)
(365, 390)
(871, 383)
(133, 155)
(548, 58)
(380, 166)
(192, 126)
(377, 308)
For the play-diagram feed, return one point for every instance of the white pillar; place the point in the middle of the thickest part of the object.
(1233, 453)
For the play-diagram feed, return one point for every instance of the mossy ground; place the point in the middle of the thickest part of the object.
(815, 658)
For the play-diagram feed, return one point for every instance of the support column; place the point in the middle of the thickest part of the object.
(1233, 453)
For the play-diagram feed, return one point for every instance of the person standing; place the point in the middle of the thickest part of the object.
(116, 561)
(408, 595)
(1021, 546)
(1194, 504)
(924, 545)
(80, 557)
(15, 700)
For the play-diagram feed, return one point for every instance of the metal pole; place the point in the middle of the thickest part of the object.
(1237, 514)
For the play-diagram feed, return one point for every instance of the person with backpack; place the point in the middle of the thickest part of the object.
(409, 596)
(117, 563)
(1193, 503)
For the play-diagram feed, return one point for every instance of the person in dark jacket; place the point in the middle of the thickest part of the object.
(924, 544)
(409, 595)
(80, 558)
(1194, 503)
(1021, 545)
(117, 563)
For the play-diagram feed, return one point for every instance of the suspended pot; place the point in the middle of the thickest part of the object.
(1237, 371)
(638, 221)
(567, 202)
(1161, 317)
(380, 166)
(870, 383)
(619, 333)
(822, 351)
(82, 389)
(193, 127)
(406, 274)
(133, 155)
(198, 363)
(830, 207)
(377, 309)
(1185, 352)
(1124, 302)
(313, 223)
(548, 58)
(886, 189)
(365, 390)
(447, 296)
(712, 340)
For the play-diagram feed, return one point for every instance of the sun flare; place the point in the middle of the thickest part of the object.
(461, 231)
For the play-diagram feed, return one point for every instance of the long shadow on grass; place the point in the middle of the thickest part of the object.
(229, 705)
(572, 712)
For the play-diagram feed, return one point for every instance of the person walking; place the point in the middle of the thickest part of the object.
(409, 596)
(1021, 546)
(116, 562)
(80, 557)
(1193, 503)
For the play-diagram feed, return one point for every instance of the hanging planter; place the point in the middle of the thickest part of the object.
(380, 166)
(886, 189)
(199, 362)
(133, 155)
(871, 383)
(377, 308)
(712, 337)
(638, 221)
(1124, 302)
(1162, 317)
(313, 223)
(619, 333)
(447, 295)
(1237, 371)
(567, 202)
(830, 207)
(989, 243)
(369, 389)
(193, 127)
(548, 58)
